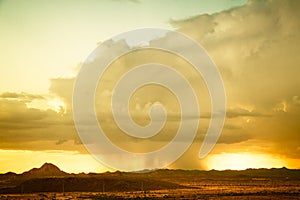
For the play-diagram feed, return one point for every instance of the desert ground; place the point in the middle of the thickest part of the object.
(49, 182)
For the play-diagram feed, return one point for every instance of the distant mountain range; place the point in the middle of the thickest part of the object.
(49, 178)
(46, 170)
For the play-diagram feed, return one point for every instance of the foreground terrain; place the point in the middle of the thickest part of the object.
(49, 182)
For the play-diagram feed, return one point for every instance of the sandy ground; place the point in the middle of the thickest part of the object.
(197, 193)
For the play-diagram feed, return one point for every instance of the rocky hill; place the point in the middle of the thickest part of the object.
(46, 170)
(49, 178)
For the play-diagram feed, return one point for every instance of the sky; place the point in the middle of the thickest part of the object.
(43, 45)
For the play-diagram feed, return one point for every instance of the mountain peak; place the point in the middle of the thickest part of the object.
(47, 169)
(49, 166)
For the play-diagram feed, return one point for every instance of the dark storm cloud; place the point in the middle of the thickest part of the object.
(21, 127)
(255, 47)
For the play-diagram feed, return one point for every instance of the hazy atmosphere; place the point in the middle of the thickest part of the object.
(253, 43)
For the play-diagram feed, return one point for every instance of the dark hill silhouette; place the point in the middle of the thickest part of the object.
(8, 175)
(46, 170)
(49, 178)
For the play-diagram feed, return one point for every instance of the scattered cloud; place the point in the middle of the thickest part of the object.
(241, 112)
(25, 97)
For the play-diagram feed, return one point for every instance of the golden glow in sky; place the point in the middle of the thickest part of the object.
(241, 161)
(254, 43)
(68, 161)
